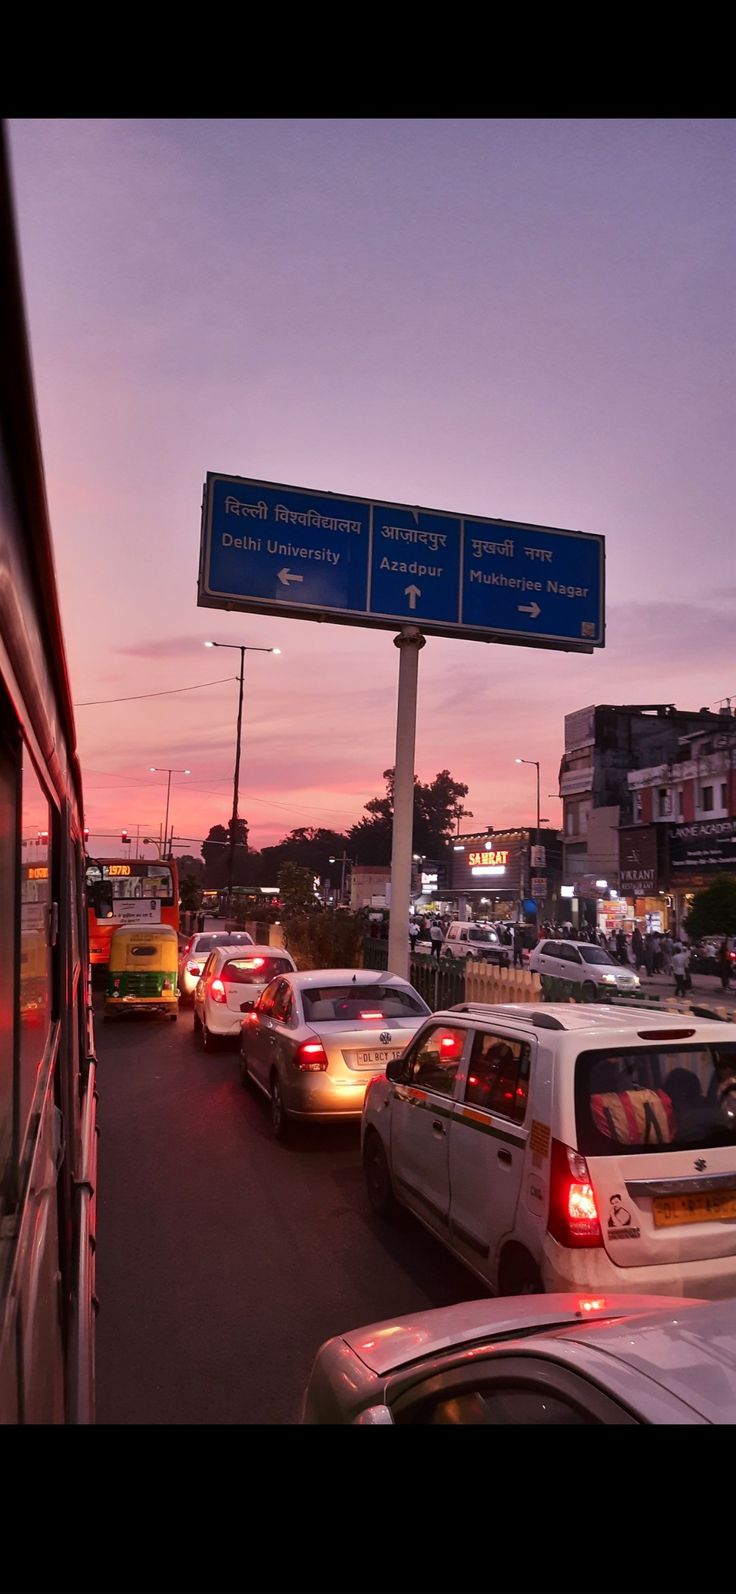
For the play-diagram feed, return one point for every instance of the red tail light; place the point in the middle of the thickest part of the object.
(217, 991)
(573, 1216)
(311, 1057)
(372, 1015)
(193, 968)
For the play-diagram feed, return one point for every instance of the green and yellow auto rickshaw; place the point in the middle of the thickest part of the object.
(143, 972)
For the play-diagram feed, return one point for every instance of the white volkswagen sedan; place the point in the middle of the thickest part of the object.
(230, 984)
(315, 1040)
(196, 950)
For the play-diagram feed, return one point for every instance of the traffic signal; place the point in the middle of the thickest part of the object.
(125, 837)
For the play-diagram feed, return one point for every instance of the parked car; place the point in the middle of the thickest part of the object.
(583, 964)
(568, 1360)
(231, 982)
(314, 1040)
(196, 950)
(565, 1147)
(475, 942)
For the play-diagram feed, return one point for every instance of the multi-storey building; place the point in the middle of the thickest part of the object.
(604, 744)
(684, 813)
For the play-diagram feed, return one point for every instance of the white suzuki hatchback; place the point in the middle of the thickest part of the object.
(566, 1147)
(585, 965)
(231, 982)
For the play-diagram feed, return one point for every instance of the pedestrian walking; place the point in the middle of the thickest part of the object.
(724, 963)
(680, 961)
(200, 921)
(657, 952)
(637, 948)
(436, 937)
(413, 934)
(621, 950)
(518, 947)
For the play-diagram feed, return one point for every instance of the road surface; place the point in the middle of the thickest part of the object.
(224, 1258)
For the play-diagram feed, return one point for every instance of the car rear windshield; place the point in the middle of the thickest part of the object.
(340, 1004)
(655, 1098)
(594, 954)
(207, 943)
(254, 971)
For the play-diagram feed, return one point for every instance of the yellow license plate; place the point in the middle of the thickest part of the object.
(713, 1207)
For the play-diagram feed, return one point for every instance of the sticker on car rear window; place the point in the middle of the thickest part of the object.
(539, 1139)
(620, 1226)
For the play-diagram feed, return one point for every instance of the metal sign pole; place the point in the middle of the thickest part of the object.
(409, 642)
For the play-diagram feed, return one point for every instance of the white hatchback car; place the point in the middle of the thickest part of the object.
(231, 982)
(196, 950)
(583, 964)
(566, 1147)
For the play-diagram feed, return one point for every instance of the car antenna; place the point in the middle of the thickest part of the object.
(354, 978)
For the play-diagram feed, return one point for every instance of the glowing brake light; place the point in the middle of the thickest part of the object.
(217, 991)
(253, 963)
(592, 1303)
(311, 1057)
(573, 1215)
(193, 968)
(372, 1015)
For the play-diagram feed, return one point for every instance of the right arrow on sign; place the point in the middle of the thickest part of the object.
(530, 608)
(412, 594)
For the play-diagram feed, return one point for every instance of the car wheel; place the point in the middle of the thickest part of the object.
(519, 1274)
(588, 991)
(279, 1120)
(196, 1031)
(377, 1176)
(242, 1064)
(208, 1040)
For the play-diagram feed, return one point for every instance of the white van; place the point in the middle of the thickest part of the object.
(475, 942)
(565, 1147)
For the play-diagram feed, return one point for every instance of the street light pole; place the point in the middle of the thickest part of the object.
(162, 769)
(535, 763)
(242, 649)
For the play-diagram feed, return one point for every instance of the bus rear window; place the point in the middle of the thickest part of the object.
(656, 1098)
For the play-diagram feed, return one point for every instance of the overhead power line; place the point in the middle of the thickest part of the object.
(93, 702)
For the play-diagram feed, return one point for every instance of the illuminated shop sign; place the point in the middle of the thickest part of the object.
(489, 860)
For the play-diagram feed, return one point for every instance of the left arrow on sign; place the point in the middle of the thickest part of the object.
(286, 576)
(530, 608)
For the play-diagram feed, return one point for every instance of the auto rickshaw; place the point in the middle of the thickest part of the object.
(143, 972)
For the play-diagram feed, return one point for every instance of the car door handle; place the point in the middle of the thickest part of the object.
(504, 1156)
(438, 1126)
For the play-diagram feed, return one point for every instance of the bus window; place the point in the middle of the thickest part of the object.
(35, 957)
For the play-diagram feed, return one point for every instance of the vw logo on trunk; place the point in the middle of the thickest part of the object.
(385, 1037)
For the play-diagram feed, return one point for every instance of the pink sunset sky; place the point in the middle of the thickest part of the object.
(525, 319)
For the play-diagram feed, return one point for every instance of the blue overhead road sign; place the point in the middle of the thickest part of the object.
(292, 551)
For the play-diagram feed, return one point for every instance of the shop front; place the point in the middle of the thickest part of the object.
(643, 877)
(503, 875)
(698, 852)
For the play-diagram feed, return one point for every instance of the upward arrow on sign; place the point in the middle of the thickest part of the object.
(412, 594)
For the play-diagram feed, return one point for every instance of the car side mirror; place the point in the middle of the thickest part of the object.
(395, 1070)
(247, 1007)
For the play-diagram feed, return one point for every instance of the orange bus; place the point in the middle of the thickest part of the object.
(124, 891)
